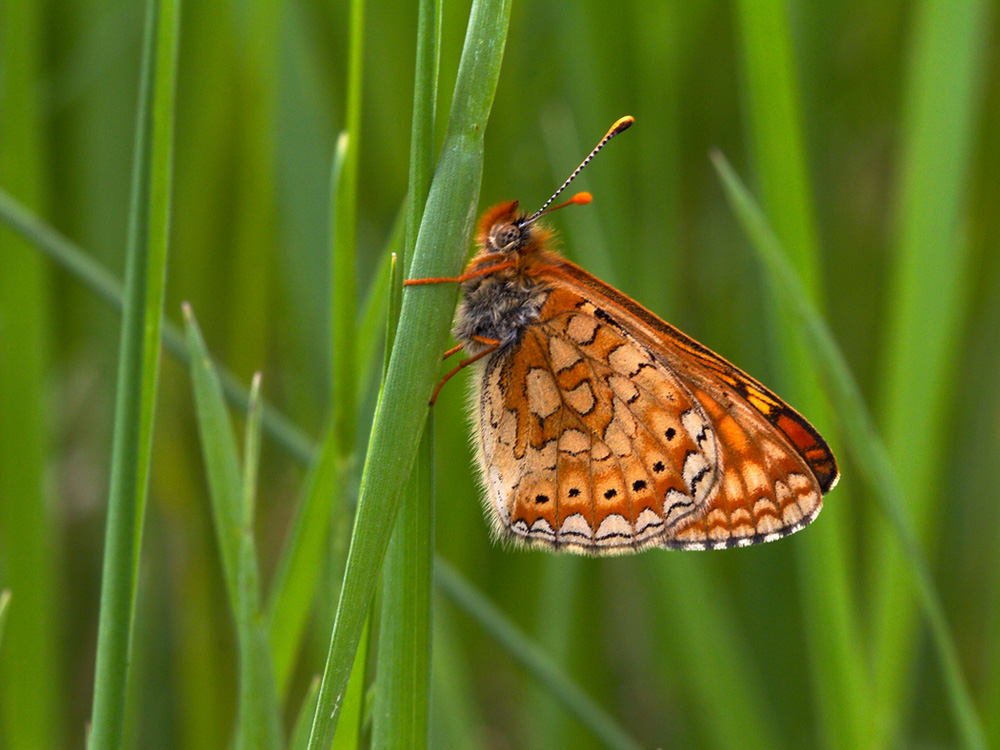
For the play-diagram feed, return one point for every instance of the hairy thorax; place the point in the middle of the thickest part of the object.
(498, 307)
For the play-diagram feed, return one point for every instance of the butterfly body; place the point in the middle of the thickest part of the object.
(600, 429)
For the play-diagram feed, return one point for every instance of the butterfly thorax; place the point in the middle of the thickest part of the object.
(499, 305)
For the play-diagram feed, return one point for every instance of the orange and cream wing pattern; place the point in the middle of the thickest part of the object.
(593, 439)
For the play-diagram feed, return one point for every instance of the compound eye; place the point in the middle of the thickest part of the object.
(507, 237)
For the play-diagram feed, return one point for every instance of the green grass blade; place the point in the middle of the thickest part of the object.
(260, 709)
(926, 312)
(869, 453)
(32, 666)
(89, 271)
(402, 693)
(138, 365)
(532, 658)
(422, 334)
(232, 496)
(772, 104)
(401, 711)
(425, 88)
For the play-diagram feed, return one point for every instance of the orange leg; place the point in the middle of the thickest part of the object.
(465, 276)
(461, 366)
(480, 339)
(456, 348)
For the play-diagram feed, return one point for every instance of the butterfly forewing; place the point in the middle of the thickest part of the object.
(600, 434)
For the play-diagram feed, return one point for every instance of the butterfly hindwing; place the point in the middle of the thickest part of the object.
(595, 440)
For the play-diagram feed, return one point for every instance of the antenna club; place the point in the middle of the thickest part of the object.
(623, 123)
(581, 199)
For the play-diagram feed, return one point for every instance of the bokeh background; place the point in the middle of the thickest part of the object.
(868, 131)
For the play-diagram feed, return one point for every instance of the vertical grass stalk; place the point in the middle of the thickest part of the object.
(423, 328)
(402, 697)
(138, 365)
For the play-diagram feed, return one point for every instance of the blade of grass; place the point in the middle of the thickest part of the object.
(402, 693)
(342, 249)
(399, 418)
(31, 666)
(772, 104)
(401, 711)
(532, 658)
(927, 311)
(425, 88)
(89, 271)
(138, 364)
(232, 498)
(260, 707)
(869, 452)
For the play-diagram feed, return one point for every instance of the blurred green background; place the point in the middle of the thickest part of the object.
(869, 133)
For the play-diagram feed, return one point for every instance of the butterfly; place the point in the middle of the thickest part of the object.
(601, 429)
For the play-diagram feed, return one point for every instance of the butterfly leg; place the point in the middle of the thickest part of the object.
(493, 346)
(468, 275)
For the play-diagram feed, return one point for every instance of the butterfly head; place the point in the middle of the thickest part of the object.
(504, 229)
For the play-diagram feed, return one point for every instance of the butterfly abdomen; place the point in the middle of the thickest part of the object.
(497, 307)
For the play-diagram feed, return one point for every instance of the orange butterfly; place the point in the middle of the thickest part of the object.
(604, 430)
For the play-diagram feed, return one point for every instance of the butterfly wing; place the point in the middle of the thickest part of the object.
(606, 431)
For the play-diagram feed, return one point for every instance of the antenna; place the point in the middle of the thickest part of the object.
(622, 124)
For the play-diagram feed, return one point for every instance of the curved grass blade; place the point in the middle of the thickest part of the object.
(402, 695)
(138, 365)
(423, 327)
(401, 711)
(862, 439)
